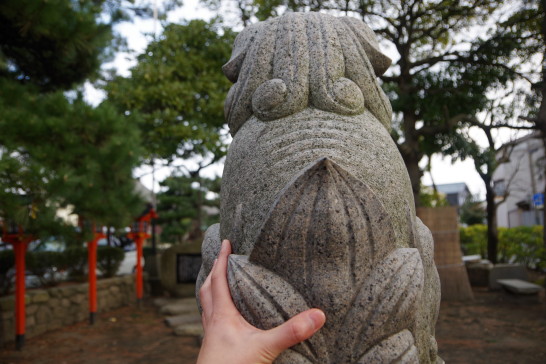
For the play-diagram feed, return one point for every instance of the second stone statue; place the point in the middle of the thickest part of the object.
(316, 199)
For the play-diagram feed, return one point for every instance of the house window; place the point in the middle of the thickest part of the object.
(499, 187)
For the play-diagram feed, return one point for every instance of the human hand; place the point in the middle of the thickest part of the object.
(230, 339)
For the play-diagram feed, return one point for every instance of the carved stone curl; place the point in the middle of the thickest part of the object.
(316, 198)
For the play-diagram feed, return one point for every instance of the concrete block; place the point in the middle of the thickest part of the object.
(518, 286)
(174, 321)
(478, 273)
(506, 271)
(161, 301)
(195, 329)
(180, 307)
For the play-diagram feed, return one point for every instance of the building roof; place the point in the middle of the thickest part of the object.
(144, 192)
(448, 188)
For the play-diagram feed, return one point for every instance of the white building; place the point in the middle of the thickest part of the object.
(521, 177)
(456, 193)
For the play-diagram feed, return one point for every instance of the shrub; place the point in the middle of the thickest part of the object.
(147, 251)
(524, 245)
(7, 262)
(109, 259)
(45, 265)
(75, 258)
(521, 244)
(474, 239)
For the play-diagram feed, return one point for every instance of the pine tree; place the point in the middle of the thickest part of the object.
(56, 150)
(184, 209)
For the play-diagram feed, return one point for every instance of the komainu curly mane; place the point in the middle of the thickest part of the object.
(284, 65)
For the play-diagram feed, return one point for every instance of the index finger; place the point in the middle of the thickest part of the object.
(221, 296)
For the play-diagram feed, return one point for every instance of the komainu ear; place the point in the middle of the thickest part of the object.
(380, 62)
(240, 48)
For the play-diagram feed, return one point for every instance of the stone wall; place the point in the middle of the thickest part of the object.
(49, 309)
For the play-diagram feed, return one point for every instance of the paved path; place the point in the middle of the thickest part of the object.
(181, 315)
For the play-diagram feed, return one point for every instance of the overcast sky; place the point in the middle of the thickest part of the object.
(138, 35)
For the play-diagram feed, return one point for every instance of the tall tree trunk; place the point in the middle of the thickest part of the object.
(411, 151)
(492, 232)
(543, 135)
(541, 117)
(415, 173)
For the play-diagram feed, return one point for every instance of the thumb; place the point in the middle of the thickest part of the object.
(297, 329)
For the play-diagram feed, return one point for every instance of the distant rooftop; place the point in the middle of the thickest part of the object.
(449, 188)
(143, 192)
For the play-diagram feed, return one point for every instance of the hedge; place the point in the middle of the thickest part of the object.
(522, 244)
(46, 264)
(109, 259)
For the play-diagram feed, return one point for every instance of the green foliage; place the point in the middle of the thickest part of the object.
(58, 153)
(177, 91)
(7, 261)
(76, 257)
(109, 259)
(45, 265)
(53, 44)
(522, 244)
(430, 197)
(472, 211)
(182, 207)
(474, 239)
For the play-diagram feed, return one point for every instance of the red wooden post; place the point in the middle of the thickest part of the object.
(20, 248)
(15, 236)
(139, 278)
(139, 234)
(92, 277)
(92, 273)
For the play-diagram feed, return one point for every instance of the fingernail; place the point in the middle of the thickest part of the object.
(317, 318)
(224, 246)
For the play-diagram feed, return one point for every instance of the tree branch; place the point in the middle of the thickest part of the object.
(434, 60)
(448, 125)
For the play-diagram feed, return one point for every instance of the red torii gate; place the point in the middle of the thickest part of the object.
(139, 233)
(13, 234)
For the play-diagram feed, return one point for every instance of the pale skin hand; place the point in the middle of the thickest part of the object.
(230, 339)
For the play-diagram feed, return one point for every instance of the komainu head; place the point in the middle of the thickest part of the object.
(284, 65)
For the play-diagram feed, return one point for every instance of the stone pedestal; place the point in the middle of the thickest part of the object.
(444, 225)
(179, 268)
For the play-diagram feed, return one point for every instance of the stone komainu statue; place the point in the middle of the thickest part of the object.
(316, 198)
